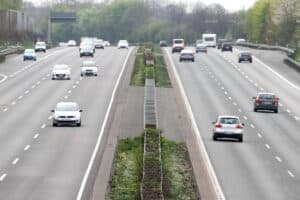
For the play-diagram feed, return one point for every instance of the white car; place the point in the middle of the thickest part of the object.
(89, 67)
(87, 50)
(186, 54)
(61, 72)
(29, 54)
(72, 43)
(228, 127)
(106, 43)
(123, 44)
(40, 46)
(240, 40)
(66, 113)
(99, 44)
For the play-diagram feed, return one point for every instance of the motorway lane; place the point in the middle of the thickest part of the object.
(43, 162)
(268, 81)
(28, 74)
(264, 166)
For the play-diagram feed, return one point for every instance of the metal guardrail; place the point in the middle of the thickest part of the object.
(5, 51)
(265, 47)
(292, 63)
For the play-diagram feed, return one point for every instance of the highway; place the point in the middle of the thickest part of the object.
(266, 164)
(38, 161)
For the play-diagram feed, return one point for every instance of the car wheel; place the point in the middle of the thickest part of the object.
(193, 60)
(255, 110)
(239, 61)
(79, 124)
(54, 124)
(250, 61)
(215, 138)
(241, 138)
(276, 111)
(53, 78)
(81, 74)
(96, 74)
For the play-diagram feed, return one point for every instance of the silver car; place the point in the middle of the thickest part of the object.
(29, 54)
(66, 113)
(61, 72)
(228, 127)
(89, 67)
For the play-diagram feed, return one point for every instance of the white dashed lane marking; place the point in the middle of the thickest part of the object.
(291, 174)
(278, 159)
(27, 147)
(2, 177)
(259, 135)
(15, 161)
(268, 146)
(27, 91)
(252, 126)
(36, 136)
(43, 126)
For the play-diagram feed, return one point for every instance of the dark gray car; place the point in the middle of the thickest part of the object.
(266, 101)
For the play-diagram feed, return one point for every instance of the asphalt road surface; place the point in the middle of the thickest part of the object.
(38, 161)
(266, 164)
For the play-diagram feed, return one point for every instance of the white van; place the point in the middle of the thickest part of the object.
(178, 45)
(210, 40)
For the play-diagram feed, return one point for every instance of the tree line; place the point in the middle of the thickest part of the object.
(137, 21)
(269, 22)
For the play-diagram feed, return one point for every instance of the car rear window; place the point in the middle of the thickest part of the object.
(178, 41)
(229, 121)
(266, 97)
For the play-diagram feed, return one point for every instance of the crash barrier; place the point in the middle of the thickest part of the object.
(292, 63)
(265, 47)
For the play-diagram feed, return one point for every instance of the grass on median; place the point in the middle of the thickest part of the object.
(138, 75)
(162, 78)
(158, 71)
(128, 168)
(179, 182)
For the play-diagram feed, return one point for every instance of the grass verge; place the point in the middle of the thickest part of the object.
(179, 182)
(128, 168)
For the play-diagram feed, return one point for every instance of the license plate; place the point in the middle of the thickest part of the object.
(268, 103)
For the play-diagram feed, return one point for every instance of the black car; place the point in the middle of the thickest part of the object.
(266, 101)
(163, 43)
(245, 56)
(226, 47)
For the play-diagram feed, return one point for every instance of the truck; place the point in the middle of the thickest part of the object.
(209, 40)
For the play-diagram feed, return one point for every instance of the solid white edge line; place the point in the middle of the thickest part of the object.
(277, 74)
(93, 157)
(4, 78)
(212, 174)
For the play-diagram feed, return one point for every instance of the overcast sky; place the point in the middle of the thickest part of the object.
(230, 5)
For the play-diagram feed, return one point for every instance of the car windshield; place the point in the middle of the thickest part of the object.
(60, 67)
(29, 51)
(88, 64)
(229, 120)
(66, 107)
